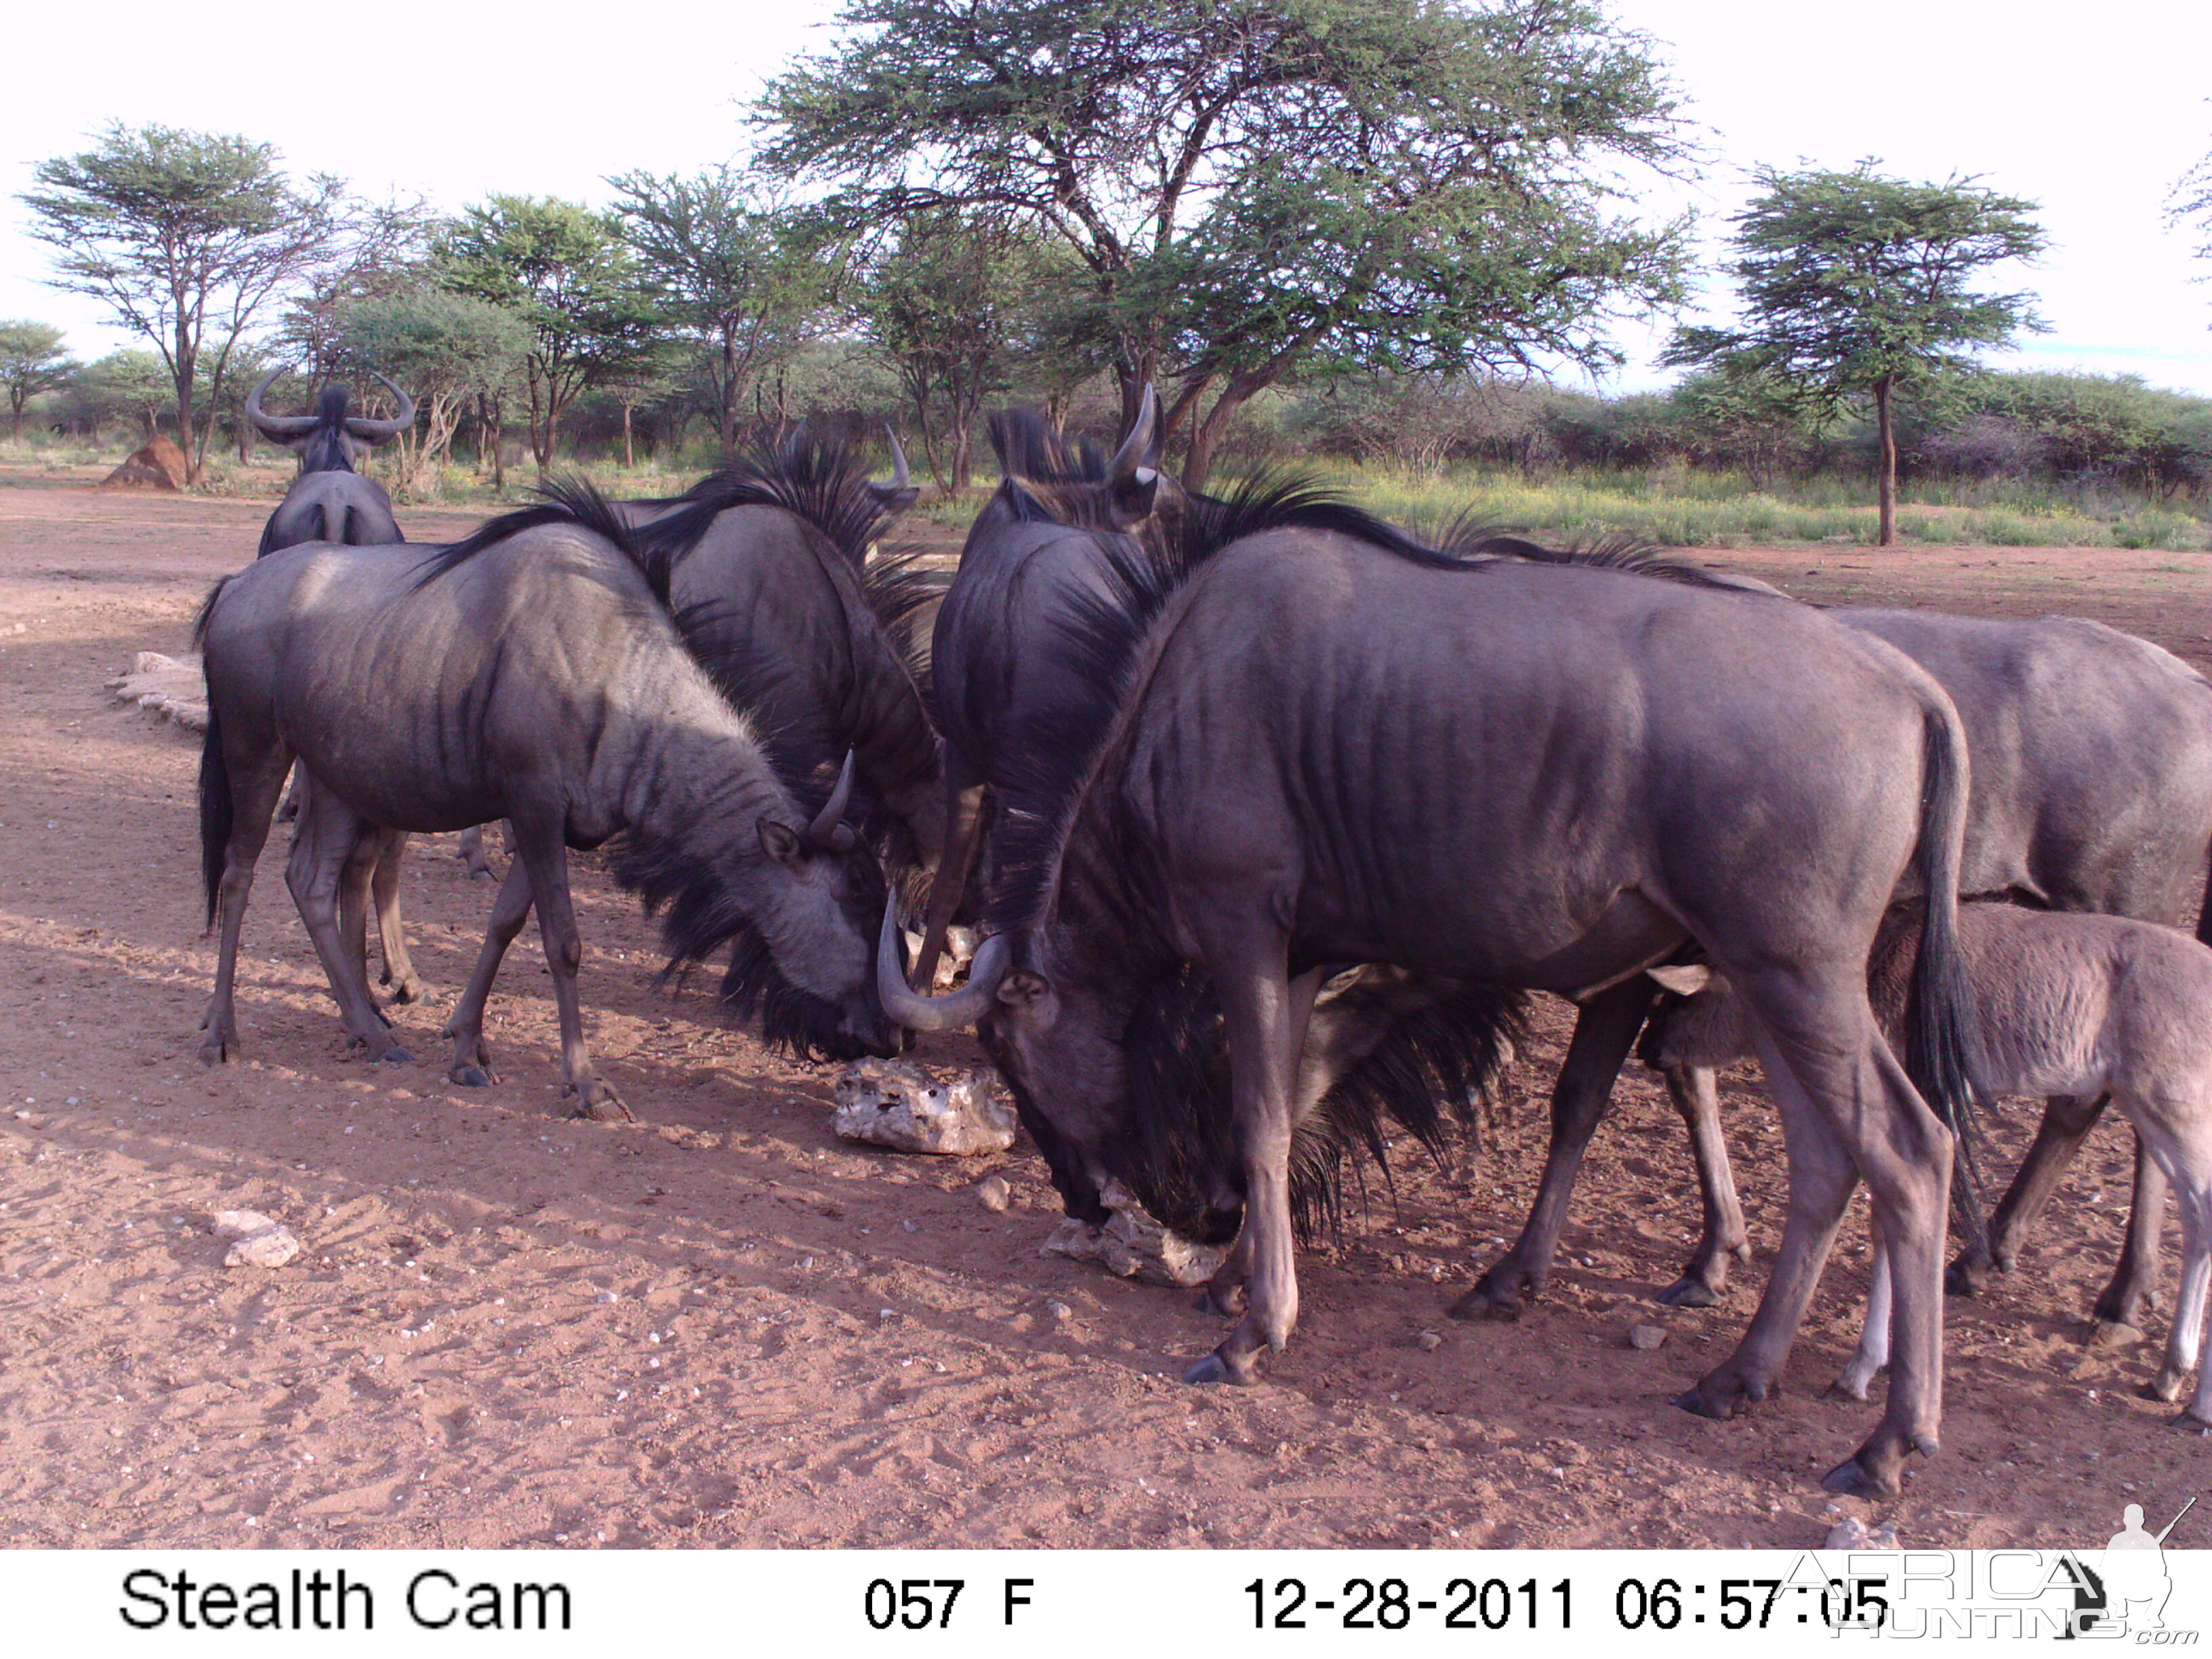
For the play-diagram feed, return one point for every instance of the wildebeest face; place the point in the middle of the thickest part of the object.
(814, 938)
(1061, 1057)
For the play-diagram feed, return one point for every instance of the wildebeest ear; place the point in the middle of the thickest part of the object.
(1684, 979)
(1023, 987)
(1134, 496)
(781, 842)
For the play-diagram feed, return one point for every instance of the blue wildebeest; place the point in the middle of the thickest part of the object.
(2089, 1007)
(1041, 549)
(1327, 743)
(329, 502)
(531, 672)
(2091, 790)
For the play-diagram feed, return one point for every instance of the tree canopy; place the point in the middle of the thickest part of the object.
(32, 359)
(736, 265)
(1255, 185)
(566, 272)
(1854, 285)
(185, 236)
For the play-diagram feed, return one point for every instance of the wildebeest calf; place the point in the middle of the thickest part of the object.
(2070, 1004)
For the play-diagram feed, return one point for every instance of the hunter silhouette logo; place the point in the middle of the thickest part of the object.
(2126, 1592)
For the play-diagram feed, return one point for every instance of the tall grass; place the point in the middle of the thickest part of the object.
(1677, 507)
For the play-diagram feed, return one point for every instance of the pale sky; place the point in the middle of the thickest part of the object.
(2093, 112)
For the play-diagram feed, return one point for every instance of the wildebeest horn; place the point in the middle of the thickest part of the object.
(1141, 447)
(900, 476)
(277, 428)
(377, 431)
(830, 829)
(955, 1010)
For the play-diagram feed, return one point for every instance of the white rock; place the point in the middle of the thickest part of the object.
(1132, 1245)
(172, 687)
(1853, 1533)
(993, 1194)
(896, 1104)
(1646, 1337)
(237, 1223)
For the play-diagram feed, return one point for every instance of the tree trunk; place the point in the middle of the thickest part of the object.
(1205, 437)
(629, 450)
(1886, 486)
(729, 410)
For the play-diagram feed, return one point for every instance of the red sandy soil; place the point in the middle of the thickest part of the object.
(722, 1326)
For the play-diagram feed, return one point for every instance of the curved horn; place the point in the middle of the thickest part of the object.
(277, 428)
(361, 426)
(900, 477)
(1159, 432)
(1141, 448)
(830, 829)
(955, 1010)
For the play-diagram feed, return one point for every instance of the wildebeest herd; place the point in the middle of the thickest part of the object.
(1270, 814)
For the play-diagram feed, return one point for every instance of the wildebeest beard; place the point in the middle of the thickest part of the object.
(1439, 1043)
(809, 1026)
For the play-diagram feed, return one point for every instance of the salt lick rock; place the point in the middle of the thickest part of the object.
(172, 686)
(260, 1242)
(896, 1104)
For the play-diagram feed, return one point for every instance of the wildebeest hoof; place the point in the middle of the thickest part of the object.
(1691, 1292)
(1478, 1303)
(1722, 1398)
(1853, 1478)
(1218, 1367)
(395, 1055)
(2189, 1420)
(2105, 1333)
(411, 989)
(1847, 1387)
(217, 1051)
(2165, 1387)
(473, 1077)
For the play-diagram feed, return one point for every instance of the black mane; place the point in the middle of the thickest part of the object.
(815, 477)
(324, 449)
(571, 500)
(1473, 538)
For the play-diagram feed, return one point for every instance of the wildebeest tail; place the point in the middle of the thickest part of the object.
(1942, 1030)
(215, 810)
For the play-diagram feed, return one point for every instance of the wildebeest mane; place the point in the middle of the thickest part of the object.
(324, 450)
(814, 476)
(1445, 1042)
(1474, 538)
(570, 501)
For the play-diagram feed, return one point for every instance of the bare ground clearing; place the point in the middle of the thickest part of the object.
(511, 1329)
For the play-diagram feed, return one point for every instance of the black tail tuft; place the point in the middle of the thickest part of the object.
(1942, 1033)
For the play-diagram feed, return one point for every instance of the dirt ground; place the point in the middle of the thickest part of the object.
(721, 1326)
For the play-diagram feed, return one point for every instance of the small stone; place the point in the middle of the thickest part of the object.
(33, 1120)
(1646, 1337)
(238, 1223)
(1061, 1312)
(1429, 1341)
(993, 1194)
(1132, 1245)
(271, 1247)
(1853, 1533)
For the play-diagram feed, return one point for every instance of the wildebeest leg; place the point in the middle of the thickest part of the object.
(2177, 1130)
(255, 784)
(1696, 1095)
(1265, 1014)
(541, 850)
(2066, 1122)
(1604, 1030)
(1862, 1367)
(471, 1066)
(966, 809)
(2134, 1286)
(1846, 1101)
(470, 853)
(407, 986)
(332, 837)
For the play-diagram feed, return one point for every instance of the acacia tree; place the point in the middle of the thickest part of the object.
(1255, 184)
(1856, 287)
(185, 236)
(736, 266)
(447, 350)
(567, 273)
(953, 301)
(32, 359)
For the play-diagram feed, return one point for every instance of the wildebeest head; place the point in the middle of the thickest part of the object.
(330, 439)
